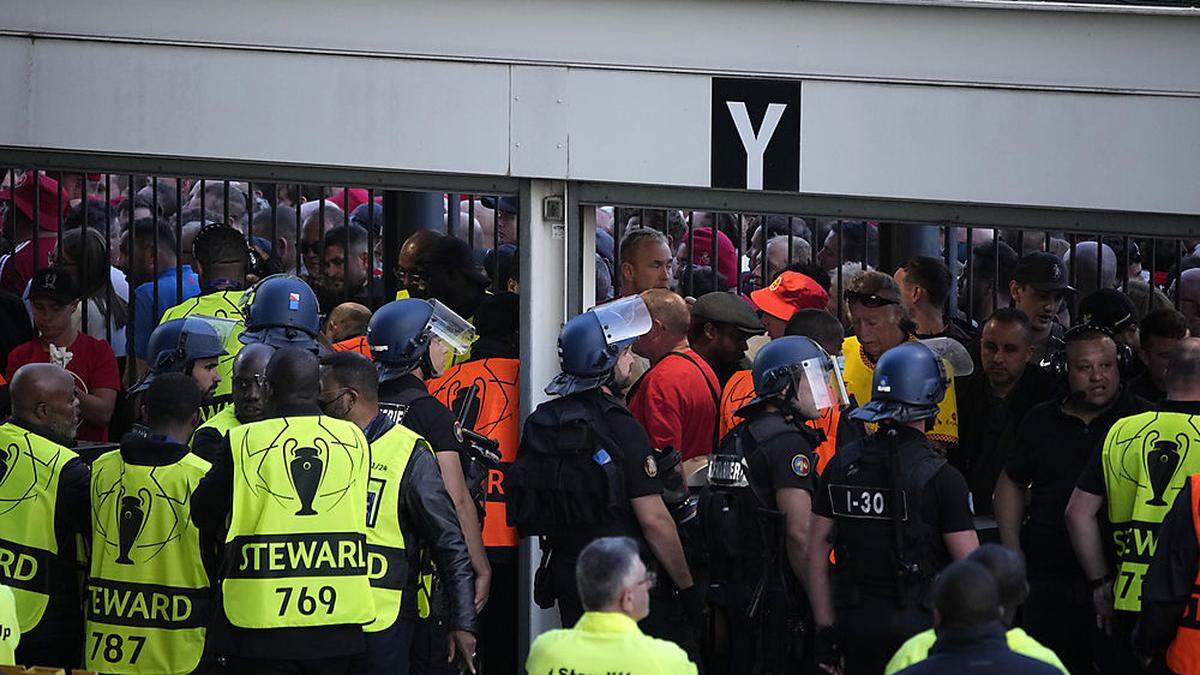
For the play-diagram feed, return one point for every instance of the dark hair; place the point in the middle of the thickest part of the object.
(353, 370)
(966, 595)
(1086, 332)
(1013, 317)
(931, 275)
(172, 398)
(602, 570)
(351, 238)
(294, 375)
(1008, 568)
(813, 271)
(779, 224)
(698, 280)
(1165, 323)
(217, 244)
(856, 236)
(817, 325)
(214, 201)
(143, 230)
(285, 221)
(983, 262)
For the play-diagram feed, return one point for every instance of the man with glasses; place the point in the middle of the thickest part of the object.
(614, 587)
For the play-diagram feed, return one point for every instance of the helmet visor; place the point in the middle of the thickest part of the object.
(821, 379)
(623, 320)
(456, 332)
(952, 354)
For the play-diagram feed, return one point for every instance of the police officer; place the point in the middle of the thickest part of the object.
(147, 595)
(295, 591)
(1143, 464)
(220, 256)
(191, 346)
(586, 469)
(249, 371)
(407, 338)
(757, 519)
(409, 519)
(44, 498)
(893, 510)
(281, 311)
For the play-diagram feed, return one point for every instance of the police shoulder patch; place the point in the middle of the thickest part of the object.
(650, 466)
(801, 465)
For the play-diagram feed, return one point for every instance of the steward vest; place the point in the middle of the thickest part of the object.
(858, 375)
(147, 597)
(870, 505)
(1183, 656)
(387, 557)
(1146, 458)
(30, 469)
(739, 391)
(224, 305)
(296, 547)
(354, 344)
(495, 413)
(222, 421)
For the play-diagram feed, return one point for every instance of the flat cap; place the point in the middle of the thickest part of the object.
(723, 307)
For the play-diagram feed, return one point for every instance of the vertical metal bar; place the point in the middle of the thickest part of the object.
(453, 216)
(762, 252)
(371, 248)
(299, 233)
(840, 282)
(274, 226)
(321, 235)
(617, 227)
(969, 271)
(1072, 271)
(83, 248)
(1099, 261)
(1020, 243)
(1153, 264)
(496, 246)
(37, 216)
(1125, 268)
(249, 212)
(1179, 272)
(349, 249)
(225, 211)
(737, 249)
(154, 189)
(712, 235)
(203, 199)
(691, 242)
(108, 294)
(867, 244)
(791, 228)
(58, 212)
(131, 247)
(995, 269)
(471, 220)
(179, 239)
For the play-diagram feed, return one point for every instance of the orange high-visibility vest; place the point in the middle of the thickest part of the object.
(499, 418)
(1183, 656)
(354, 344)
(739, 391)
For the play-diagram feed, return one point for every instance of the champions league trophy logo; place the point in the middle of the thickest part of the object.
(131, 520)
(5, 457)
(1161, 463)
(305, 469)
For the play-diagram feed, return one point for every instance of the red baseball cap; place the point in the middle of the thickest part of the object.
(49, 206)
(788, 294)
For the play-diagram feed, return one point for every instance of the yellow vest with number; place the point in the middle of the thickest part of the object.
(1146, 460)
(147, 596)
(387, 556)
(860, 371)
(226, 306)
(30, 469)
(296, 550)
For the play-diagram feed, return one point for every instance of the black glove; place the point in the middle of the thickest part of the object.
(825, 647)
(692, 600)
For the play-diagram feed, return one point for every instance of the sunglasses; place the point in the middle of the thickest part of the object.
(868, 299)
(310, 247)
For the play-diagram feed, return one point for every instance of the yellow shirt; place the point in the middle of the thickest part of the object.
(858, 375)
(10, 632)
(918, 646)
(605, 642)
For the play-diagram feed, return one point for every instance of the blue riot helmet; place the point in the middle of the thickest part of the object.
(399, 334)
(590, 343)
(911, 379)
(177, 344)
(795, 368)
(281, 311)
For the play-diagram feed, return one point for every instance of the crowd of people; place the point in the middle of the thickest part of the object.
(228, 447)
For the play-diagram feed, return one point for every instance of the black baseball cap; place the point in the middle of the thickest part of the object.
(1109, 308)
(723, 307)
(54, 283)
(1044, 271)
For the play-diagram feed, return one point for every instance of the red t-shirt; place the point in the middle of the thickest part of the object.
(19, 267)
(93, 363)
(676, 401)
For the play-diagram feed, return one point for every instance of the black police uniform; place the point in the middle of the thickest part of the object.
(746, 531)
(888, 538)
(581, 461)
(406, 400)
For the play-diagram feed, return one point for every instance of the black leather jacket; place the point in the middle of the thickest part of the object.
(427, 511)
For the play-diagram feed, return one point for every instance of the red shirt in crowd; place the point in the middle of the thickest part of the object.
(94, 366)
(676, 401)
(18, 268)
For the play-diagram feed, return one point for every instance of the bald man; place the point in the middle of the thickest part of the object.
(413, 277)
(43, 483)
(249, 369)
(677, 399)
(1189, 298)
(346, 327)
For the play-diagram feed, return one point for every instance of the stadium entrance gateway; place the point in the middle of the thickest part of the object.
(988, 113)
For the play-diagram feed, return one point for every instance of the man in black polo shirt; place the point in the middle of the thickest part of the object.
(991, 401)
(1050, 449)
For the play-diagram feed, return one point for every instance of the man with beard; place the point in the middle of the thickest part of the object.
(45, 488)
(249, 368)
(1048, 453)
(346, 273)
(190, 346)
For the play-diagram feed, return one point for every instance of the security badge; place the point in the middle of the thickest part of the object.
(650, 466)
(801, 465)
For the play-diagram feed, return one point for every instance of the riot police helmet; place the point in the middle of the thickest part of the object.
(796, 368)
(177, 344)
(590, 343)
(400, 332)
(281, 311)
(911, 379)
